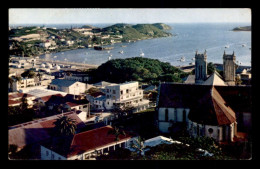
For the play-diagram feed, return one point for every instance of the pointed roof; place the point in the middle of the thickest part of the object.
(212, 109)
(206, 103)
(215, 80)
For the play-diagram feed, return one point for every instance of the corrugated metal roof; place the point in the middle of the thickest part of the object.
(62, 82)
(36, 131)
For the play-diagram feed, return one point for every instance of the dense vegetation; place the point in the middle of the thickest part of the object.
(139, 31)
(140, 69)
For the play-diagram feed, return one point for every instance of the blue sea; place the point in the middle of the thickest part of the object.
(212, 37)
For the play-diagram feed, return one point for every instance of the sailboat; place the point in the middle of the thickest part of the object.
(141, 53)
(121, 52)
(182, 59)
(227, 46)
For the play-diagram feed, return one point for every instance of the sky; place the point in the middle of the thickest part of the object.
(127, 15)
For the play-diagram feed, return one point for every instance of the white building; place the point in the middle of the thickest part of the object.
(125, 95)
(68, 86)
(69, 42)
(45, 44)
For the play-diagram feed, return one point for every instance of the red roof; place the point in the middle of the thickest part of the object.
(72, 104)
(18, 95)
(93, 139)
(46, 98)
(13, 102)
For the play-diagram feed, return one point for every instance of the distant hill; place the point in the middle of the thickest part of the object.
(139, 31)
(244, 28)
(88, 26)
(162, 26)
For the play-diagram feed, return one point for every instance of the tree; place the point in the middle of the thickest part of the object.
(29, 74)
(138, 145)
(65, 126)
(116, 132)
(210, 68)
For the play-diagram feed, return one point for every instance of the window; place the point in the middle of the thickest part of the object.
(127, 91)
(210, 130)
(107, 90)
(184, 116)
(52, 156)
(114, 92)
(47, 153)
(121, 91)
(166, 115)
(107, 103)
(175, 114)
(59, 158)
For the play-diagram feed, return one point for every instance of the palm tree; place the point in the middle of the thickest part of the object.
(138, 145)
(10, 81)
(65, 126)
(116, 132)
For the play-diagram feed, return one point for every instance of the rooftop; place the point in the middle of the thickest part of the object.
(44, 92)
(37, 130)
(63, 82)
(92, 140)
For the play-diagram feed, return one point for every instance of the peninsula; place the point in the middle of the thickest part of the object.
(244, 28)
(33, 41)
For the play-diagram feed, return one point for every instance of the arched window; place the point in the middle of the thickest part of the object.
(210, 130)
(166, 114)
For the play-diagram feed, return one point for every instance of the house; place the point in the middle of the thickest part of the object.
(37, 131)
(68, 86)
(69, 42)
(77, 76)
(69, 102)
(88, 144)
(93, 96)
(125, 95)
(30, 83)
(45, 44)
(205, 110)
(15, 99)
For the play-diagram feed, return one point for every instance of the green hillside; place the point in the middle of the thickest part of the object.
(135, 32)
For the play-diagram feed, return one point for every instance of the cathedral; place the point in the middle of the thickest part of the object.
(208, 105)
(201, 77)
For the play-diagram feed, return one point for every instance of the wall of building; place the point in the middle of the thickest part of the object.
(47, 154)
(174, 115)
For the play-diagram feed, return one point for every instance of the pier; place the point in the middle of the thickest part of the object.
(67, 63)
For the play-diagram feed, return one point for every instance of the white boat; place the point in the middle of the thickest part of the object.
(110, 55)
(141, 53)
(109, 58)
(182, 59)
(62, 53)
(193, 58)
(191, 63)
(121, 52)
(108, 51)
(243, 45)
(227, 46)
(54, 56)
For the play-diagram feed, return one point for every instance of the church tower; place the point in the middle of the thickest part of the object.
(229, 68)
(200, 67)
